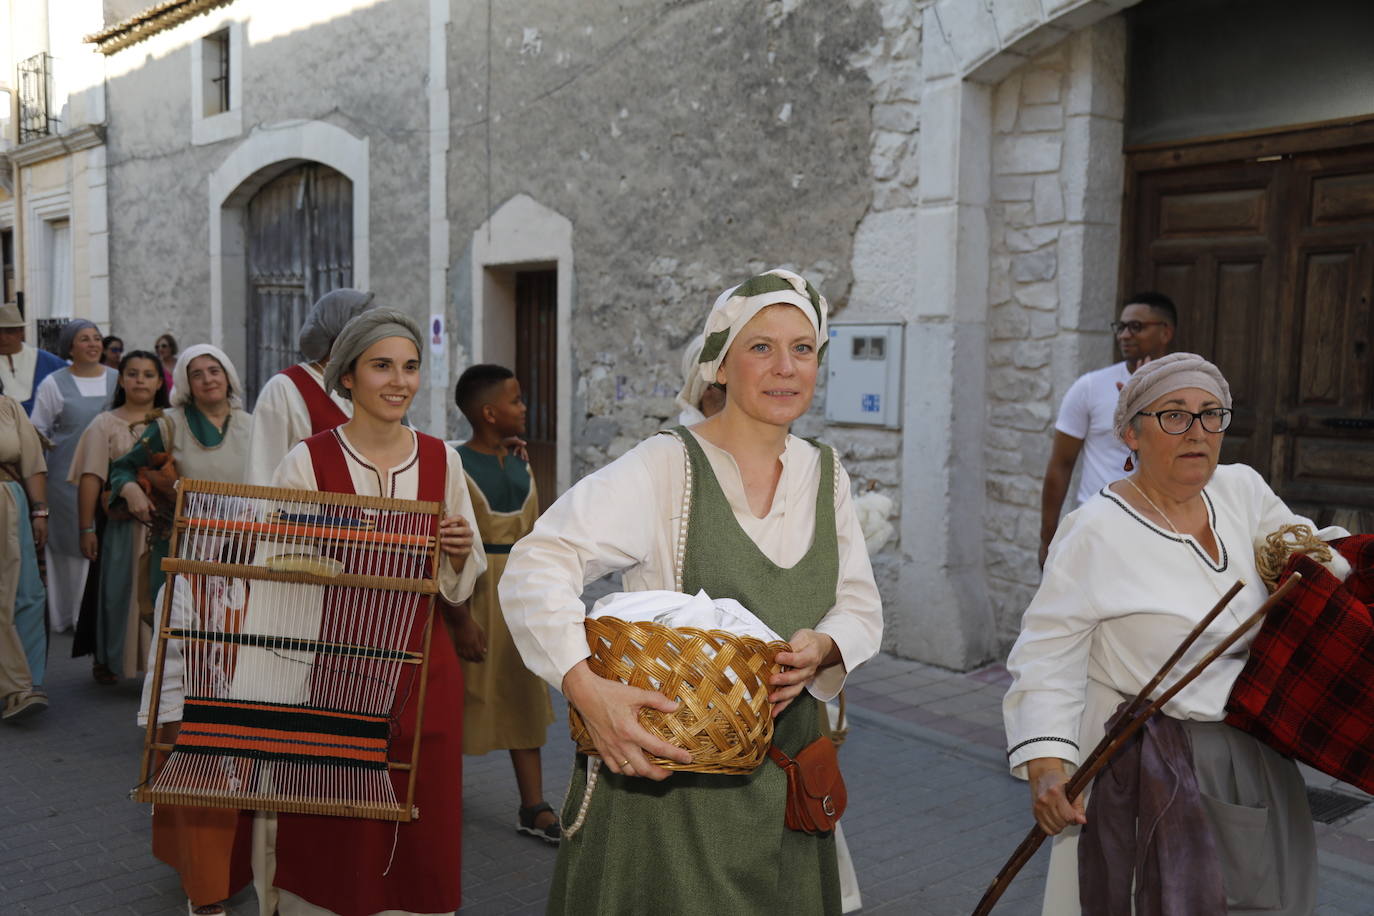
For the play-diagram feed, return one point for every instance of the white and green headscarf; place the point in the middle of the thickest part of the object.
(735, 307)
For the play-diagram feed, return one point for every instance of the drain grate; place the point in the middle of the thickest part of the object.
(1329, 807)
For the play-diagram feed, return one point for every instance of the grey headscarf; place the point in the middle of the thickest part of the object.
(67, 336)
(327, 318)
(362, 332)
(1160, 376)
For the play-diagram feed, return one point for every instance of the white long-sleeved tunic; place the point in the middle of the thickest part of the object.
(1118, 596)
(625, 517)
(280, 420)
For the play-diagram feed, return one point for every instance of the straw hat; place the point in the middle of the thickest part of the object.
(10, 317)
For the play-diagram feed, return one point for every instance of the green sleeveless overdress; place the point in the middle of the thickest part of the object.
(708, 844)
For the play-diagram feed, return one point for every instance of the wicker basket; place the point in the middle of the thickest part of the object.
(726, 724)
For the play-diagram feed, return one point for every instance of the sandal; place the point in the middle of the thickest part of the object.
(103, 675)
(23, 704)
(208, 909)
(553, 833)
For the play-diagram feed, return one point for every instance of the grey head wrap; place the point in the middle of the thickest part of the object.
(67, 336)
(362, 332)
(1160, 376)
(327, 318)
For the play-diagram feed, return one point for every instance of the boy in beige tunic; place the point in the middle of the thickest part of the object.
(505, 705)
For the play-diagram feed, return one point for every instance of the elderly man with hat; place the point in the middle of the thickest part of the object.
(22, 367)
(1129, 574)
(294, 404)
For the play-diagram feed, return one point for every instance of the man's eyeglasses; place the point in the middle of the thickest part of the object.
(1178, 422)
(1135, 327)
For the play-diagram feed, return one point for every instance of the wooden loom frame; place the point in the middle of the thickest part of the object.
(402, 812)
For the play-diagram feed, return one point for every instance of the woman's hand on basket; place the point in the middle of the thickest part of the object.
(611, 711)
(1049, 804)
(455, 540)
(140, 507)
(811, 651)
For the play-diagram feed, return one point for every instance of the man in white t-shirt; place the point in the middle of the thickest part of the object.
(1144, 332)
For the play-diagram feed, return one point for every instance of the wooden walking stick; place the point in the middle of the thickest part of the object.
(1128, 723)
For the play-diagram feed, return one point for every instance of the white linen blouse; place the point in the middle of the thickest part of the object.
(1119, 594)
(280, 420)
(625, 517)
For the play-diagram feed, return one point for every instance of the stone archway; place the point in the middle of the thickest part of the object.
(268, 152)
(966, 49)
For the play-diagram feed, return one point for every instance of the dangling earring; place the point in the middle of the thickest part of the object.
(1129, 465)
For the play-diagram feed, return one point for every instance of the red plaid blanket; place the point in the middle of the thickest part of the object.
(1308, 687)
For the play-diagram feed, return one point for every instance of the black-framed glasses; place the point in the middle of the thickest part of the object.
(1135, 327)
(1178, 422)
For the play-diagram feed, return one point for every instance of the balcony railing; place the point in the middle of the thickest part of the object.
(36, 118)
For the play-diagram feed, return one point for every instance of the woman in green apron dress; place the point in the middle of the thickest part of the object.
(769, 522)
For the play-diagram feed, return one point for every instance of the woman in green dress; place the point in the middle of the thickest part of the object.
(206, 431)
(110, 626)
(770, 524)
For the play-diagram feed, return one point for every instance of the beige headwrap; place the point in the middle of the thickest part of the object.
(362, 332)
(1159, 377)
(736, 306)
(181, 386)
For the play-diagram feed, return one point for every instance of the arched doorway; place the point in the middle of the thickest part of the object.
(299, 234)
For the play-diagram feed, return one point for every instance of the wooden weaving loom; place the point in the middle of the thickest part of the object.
(302, 621)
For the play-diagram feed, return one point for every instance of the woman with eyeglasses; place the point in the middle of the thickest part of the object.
(1128, 575)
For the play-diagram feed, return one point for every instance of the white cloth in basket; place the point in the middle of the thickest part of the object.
(676, 609)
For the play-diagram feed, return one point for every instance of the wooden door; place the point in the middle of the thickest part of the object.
(1324, 408)
(1209, 242)
(1271, 263)
(536, 366)
(300, 246)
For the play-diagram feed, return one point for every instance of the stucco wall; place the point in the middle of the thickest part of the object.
(360, 66)
(690, 145)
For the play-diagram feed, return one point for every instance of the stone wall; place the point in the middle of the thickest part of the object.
(883, 257)
(1054, 231)
(358, 65)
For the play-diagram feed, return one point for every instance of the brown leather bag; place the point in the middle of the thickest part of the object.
(816, 796)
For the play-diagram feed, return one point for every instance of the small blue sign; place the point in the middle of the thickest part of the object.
(871, 403)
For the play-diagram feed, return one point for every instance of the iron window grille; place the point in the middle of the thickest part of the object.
(36, 118)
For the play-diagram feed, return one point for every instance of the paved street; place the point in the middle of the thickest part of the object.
(932, 813)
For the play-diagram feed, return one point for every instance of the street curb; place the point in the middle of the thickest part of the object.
(976, 753)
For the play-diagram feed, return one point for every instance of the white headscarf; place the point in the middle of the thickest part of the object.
(736, 306)
(181, 385)
(693, 385)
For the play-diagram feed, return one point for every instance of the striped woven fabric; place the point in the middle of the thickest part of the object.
(269, 731)
(1307, 689)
